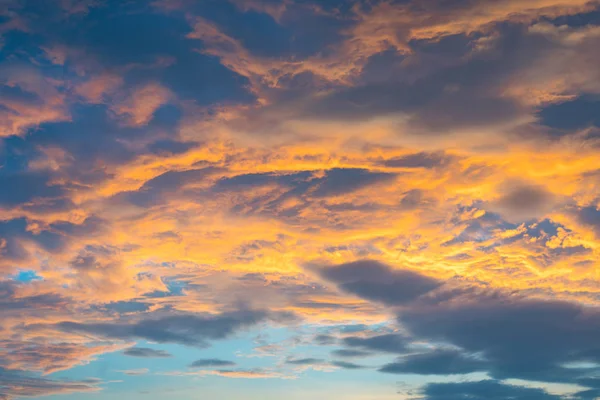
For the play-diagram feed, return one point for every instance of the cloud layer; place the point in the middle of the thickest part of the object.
(378, 190)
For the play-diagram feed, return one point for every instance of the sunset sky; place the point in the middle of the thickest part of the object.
(300, 199)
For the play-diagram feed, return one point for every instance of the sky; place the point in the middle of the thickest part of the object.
(300, 199)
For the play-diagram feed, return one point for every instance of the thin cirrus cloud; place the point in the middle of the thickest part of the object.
(327, 196)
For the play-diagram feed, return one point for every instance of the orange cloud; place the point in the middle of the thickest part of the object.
(139, 106)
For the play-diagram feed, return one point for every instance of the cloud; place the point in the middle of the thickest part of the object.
(378, 282)
(590, 216)
(349, 353)
(211, 362)
(519, 337)
(366, 31)
(347, 365)
(47, 357)
(321, 364)
(98, 87)
(340, 181)
(459, 80)
(483, 390)
(289, 195)
(439, 362)
(249, 181)
(189, 330)
(27, 99)
(305, 361)
(135, 372)
(513, 336)
(154, 177)
(28, 187)
(523, 201)
(333, 182)
(146, 352)
(159, 188)
(325, 340)
(419, 160)
(101, 271)
(168, 147)
(16, 384)
(14, 299)
(389, 343)
(139, 107)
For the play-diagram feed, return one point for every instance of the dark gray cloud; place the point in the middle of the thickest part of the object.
(28, 186)
(339, 181)
(448, 83)
(420, 160)
(512, 335)
(347, 365)
(388, 343)
(336, 181)
(440, 362)
(483, 390)
(303, 187)
(168, 147)
(249, 181)
(157, 189)
(525, 200)
(465, 94)
(519, 337)
(145, 352)
(127, 306)
(428, 102)
(375, 281)
(211, 362)
(350, 353)
(590, 216)
(187, 329)
(325, 339)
